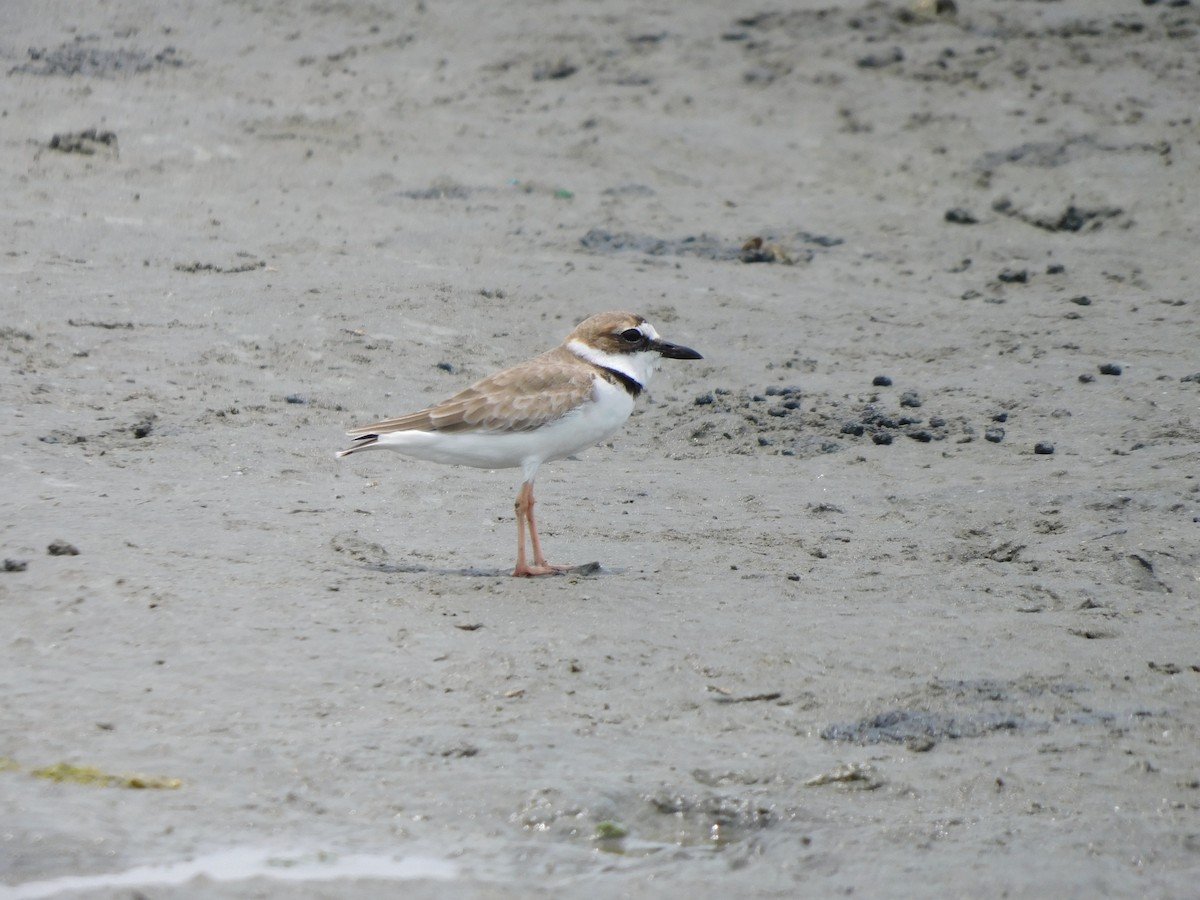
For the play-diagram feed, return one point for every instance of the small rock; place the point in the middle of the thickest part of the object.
(881, 437)
(554, 71)
(62, 548)
(1110, 369)
(1043, 448)
(960, 216)
(15, 565)
(1014, 276)
(295, 399)
(881, 381)
(1087, 378)
(995, 435)
(704, 399)
(880, 60)
(1082, 300)
(910, 399)
(854, 428)
(923, 436)
(1055, 269)
(448, 367)
(1000, 417)
(937, 422)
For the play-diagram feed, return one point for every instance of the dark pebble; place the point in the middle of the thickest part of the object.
(1043, 448)
(1000, 417)
(1195, 376)
(1055, 269)
(764, 442)
(881, 437)
(704, 400)
(923, 436)
(791, 404)
(995, 435)
(1082, 300)
(880, 60)
(960, 216)
(854, 428)
(552, 71)
(15, 565)
(937, 422)
(1087, 378)
(62, 548)
(448, 367)
(1011, 276)
(777, 391)
(881, 381)
(910, 399)
(1110, 369)
(296, 399)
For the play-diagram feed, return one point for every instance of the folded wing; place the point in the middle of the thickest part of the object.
(521, 398)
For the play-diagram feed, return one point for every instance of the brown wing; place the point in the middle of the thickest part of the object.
(519, 398)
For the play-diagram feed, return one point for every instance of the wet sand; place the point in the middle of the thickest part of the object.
(898, 589)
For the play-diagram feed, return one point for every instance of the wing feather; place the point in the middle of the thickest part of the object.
(520, 398)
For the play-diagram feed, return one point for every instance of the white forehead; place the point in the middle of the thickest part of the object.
(648, 330)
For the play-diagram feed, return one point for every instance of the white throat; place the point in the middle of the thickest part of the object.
(638, 366)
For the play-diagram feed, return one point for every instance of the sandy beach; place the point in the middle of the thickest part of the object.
(898, 589)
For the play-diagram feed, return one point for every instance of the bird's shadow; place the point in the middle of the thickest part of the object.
(588, 569)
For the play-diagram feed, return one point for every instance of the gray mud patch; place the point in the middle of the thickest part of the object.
(84, 58)
(784, 420)
(771, 246)
(952, 710)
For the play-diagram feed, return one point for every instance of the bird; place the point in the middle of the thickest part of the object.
(545, 408)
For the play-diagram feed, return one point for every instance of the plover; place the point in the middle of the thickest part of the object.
(548, 407)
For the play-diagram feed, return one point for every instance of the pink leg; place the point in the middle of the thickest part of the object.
(524, 507)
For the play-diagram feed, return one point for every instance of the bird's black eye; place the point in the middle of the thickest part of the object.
(631, 335)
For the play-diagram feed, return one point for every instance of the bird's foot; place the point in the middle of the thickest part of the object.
(542, 568)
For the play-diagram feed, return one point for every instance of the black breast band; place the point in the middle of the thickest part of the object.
(622, 379)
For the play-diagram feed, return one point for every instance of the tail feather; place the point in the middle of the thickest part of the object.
(362, 442)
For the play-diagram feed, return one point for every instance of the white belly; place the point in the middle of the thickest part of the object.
(578, 430)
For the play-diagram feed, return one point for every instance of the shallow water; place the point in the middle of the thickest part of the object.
(242, 864)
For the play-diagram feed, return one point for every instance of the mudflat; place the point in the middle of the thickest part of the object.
(898, 587)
